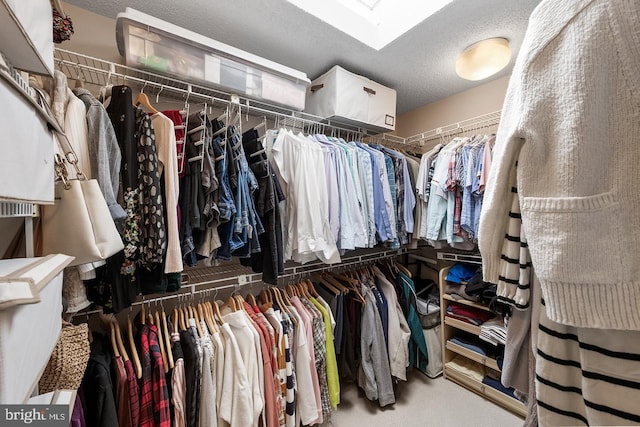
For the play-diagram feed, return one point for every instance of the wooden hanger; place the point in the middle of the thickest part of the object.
(280, 299)
(265, 297)
(402, 268)
(143, 100)
(161, 343)
(167, 338)
(112, 335)
(196, 318)
(216, 311)
(328, 285)
(121, 348)
(344, 278)
(231, 303)
(202, 313)
(335, 283)
(134, 351)
(311, 288)
(251, 300)
(208, 317)
(142, 314)
(175, 319)
(291, 290)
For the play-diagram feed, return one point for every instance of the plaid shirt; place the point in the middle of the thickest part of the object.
(134, 395)
(161, 414)
(320, 352)
(146, 386)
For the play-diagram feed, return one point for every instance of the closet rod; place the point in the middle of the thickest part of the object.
(482, 121)
(178, 295)
(74, 65)
(189, 290)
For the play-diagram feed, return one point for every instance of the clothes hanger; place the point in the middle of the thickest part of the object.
(402, 268)
(251, 300)
(201, 315)
(175, 318)
(312, 289)
(167, 336)
(162, 344)
(216, 310)
(344, 277)
(328, 278)
(112, 336)
(79, 80)
(265, 297)
(132, 347)
(121, 347)
(196, 318)
(329, 287)
(142, 313)
(143, 99)
(291, 290)
(208, 318)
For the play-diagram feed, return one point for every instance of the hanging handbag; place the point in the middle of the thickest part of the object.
(79, 223)
(62, 24)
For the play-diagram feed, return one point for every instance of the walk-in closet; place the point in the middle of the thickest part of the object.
(292, 213)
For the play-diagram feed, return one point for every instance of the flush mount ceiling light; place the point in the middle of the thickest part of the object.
(483, 59)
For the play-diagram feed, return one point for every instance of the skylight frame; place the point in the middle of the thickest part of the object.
(375, 23)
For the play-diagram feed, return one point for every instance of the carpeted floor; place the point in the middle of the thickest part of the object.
(423, 402)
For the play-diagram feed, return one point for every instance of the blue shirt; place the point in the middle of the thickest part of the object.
(381, 217)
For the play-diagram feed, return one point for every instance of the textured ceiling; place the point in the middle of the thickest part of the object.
(420, 65)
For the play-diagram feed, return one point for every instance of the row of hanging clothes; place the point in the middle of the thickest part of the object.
(341, 195)
(229, 196)
(185, 189)
(179, 186)
(275, 359)
(450, 188)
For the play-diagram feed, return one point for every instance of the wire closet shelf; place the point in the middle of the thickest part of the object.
(469, 125)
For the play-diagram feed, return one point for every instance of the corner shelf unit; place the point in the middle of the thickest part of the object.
(452, 350)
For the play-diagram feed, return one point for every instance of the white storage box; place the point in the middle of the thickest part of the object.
(26, 35)
(348, 98)
(26, 164)
(29, 329)
(150, 43)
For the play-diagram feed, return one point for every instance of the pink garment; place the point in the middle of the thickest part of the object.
(307, 319)
(269, 394)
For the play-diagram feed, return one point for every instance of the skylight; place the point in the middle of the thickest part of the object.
(375, 23)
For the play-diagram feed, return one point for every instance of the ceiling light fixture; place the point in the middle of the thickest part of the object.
(483, 59)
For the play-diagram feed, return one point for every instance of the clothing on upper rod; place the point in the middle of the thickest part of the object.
(222, 210)
(450, 186)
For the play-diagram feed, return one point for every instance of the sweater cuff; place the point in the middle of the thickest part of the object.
(117, 212)
(593, 306)
(490, 269)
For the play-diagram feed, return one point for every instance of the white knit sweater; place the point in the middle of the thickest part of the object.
(571, 119)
